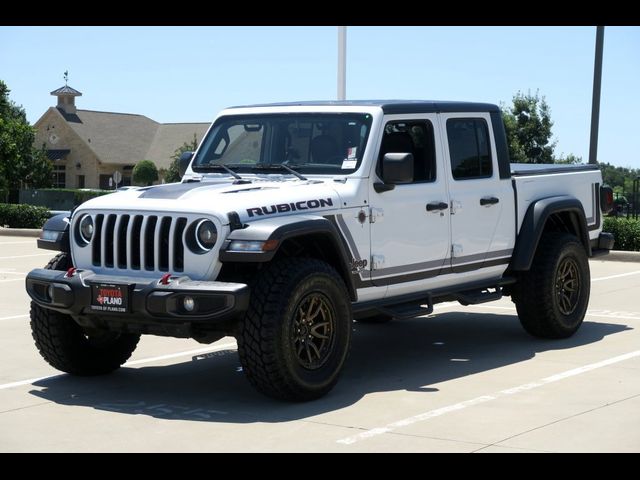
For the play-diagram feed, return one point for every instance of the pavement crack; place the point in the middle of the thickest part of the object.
(557, 421)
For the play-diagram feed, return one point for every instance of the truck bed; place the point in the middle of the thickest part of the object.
(534, 181)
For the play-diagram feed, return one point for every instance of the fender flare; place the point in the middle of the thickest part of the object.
(534, 222)
(284, 228)
(55, 233)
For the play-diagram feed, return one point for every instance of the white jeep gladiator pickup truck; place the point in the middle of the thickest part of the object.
(292, 220)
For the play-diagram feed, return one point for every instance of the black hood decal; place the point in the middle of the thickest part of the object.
(172, 191)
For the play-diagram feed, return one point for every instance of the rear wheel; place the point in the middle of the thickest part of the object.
(296, 334)
(67, 347)
(552, 297)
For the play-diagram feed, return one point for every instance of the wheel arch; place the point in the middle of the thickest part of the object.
(553, 214)
(306, 235)
(55, 234)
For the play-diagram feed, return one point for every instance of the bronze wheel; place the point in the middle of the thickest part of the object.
(314, 330)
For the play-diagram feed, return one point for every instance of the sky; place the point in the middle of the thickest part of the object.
(188, 74)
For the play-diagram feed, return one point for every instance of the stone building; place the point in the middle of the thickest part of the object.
(88, 146)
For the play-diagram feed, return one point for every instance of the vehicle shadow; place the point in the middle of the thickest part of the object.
(412, 355)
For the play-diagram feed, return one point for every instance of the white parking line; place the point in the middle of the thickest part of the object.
(26, 256)
(32, 242)
(615, 276)
(197, 351)
(14, 316)
(12, 280)
(485, 398)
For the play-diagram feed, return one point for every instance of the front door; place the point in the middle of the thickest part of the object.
(410, 224)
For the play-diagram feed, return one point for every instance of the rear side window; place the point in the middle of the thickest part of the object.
(469, 148)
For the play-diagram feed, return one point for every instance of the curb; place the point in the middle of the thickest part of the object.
(620, 256)
(20, 232)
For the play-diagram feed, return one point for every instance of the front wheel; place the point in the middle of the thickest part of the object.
(69, 348)
(296, 334)
(552, 297)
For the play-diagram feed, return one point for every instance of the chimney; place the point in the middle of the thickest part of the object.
(67, 98)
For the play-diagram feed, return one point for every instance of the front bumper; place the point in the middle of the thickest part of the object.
(147, 300)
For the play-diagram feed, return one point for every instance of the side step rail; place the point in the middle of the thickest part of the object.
(404, 311)
(474, 297)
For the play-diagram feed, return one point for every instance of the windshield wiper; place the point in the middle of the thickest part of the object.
(220, 166)
(278, 166)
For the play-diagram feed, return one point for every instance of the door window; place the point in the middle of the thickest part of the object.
(469, 148)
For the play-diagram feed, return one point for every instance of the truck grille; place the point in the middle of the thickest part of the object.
(138, 242)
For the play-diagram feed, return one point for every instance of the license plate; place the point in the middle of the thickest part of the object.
(110, 298)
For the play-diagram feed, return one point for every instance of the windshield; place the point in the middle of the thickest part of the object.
(308, 143)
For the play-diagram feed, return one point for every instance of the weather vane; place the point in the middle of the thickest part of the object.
(66, 76)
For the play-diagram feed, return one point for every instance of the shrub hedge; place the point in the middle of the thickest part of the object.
(81, 196)
(22, 216)
(626, 231)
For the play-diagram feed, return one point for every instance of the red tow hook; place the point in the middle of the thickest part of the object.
(164, 280)
(70, 272)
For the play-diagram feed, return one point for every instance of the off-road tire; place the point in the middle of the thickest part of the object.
(546, 309)
(66, 346)
(269, 337)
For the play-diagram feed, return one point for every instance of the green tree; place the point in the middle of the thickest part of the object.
(173, 173)
(620, 178)
(21, 164)
(145, 172)
(570, 159)
(528, 127)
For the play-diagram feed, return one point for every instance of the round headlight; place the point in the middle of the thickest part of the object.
(206, 234)
(86, 228)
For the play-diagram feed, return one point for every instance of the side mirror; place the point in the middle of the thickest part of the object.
(397, 168)
(183, 163)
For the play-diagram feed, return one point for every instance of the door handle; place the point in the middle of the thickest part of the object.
(433, 206)
(489, 201)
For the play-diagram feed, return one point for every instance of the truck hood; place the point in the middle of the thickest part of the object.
(260, 199)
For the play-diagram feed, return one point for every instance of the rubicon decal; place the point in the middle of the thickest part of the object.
(290, 207)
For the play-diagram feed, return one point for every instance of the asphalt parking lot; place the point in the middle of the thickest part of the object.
(466, 379)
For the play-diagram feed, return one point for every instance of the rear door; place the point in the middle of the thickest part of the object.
(482, 204)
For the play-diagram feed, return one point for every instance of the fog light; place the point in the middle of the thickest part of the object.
(189, 304)
(50, 292)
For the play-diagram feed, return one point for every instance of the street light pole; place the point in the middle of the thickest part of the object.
(342, 63)
(595, 103)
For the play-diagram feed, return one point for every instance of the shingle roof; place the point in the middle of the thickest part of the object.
(66, 90)
(125, 139)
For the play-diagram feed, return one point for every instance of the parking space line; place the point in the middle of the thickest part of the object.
(12, 280)
(32, 242)
(14, 316)
(485, 398)
(186, 353)
(615, 276)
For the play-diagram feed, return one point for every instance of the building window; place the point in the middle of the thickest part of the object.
(80, 181)
(59, 174)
